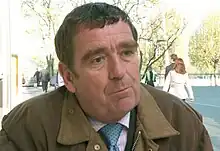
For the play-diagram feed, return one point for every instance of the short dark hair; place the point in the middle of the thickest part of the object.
(173, 57)
(91, 15)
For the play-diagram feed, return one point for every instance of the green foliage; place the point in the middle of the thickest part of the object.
(40, 62)
(160, 36)
(157, 32)
(204, 44)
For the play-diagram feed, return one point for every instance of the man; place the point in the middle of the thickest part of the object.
(37, 76)
(150, 77)
(173, 57)
(103, 106)
(45, 79)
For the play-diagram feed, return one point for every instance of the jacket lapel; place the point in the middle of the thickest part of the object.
(74, 126)
(152, 119)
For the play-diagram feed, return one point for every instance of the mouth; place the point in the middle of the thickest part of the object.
(120, 90)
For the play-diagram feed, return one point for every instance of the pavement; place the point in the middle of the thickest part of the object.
(29, 92)
(207, 102)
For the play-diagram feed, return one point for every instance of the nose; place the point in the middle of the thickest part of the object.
(117, 69)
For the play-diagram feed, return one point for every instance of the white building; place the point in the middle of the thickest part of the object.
(10, 45)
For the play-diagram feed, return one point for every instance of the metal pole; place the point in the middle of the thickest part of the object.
(6, 50)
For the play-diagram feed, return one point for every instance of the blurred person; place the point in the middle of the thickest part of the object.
(58, 80)
(102, 106)
(150, 76)
(168, 68)
(177, 82)
(23, 79)
(37, 75)
(45, 78)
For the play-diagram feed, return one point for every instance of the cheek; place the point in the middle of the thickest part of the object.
(92, 82)
(133, 70)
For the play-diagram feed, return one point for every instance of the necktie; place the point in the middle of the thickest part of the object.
(110, 134)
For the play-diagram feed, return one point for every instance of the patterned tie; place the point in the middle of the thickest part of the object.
(110, 134)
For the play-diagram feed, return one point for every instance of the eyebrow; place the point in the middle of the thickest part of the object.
(96, 51)
(93, 52)
(128, 44)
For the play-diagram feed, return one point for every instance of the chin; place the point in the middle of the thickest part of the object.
(127, 104)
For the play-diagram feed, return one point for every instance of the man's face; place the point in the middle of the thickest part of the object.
(107, 63)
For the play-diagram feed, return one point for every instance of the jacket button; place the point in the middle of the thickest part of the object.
(150, 149)
(97, 147)
(71, 111)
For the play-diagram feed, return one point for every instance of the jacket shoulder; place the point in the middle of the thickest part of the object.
(183, 118)
(35, 115)
(172, 106)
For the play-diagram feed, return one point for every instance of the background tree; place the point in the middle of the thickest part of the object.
(161, 37)
(45, 17)
(204, 45)
(50, 64)
(158, 29)
(39, 62)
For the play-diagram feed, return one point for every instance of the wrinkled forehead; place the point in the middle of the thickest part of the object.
(119, 32)
(90, 25)
(107, 40)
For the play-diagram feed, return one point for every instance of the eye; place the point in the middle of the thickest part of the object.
(128, 53)
(98, 60)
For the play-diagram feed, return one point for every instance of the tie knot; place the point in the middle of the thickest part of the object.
(111, 133)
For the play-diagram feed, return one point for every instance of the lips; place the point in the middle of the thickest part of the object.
(120, 90)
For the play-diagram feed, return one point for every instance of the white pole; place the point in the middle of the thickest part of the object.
(6, 54)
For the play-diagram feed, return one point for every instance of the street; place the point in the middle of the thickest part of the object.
(29, 92)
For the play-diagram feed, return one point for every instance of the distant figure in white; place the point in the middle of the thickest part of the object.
(59, 80)
(173, 58)
(177, 82)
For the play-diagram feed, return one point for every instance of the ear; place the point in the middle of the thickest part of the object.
(67, 77)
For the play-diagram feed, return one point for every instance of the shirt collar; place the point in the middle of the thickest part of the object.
(98, 125)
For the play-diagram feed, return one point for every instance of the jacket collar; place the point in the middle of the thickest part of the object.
(152, 119)
(75, 127)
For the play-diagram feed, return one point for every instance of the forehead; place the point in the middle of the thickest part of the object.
(115, 33)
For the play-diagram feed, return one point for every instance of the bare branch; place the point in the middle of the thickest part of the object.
(149, 62)
(126, 5)
(131, 8)
(117, 3)
(141, 59)
(169, 44)
(27, 3)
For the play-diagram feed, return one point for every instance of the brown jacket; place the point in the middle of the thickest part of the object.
(55, 122)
